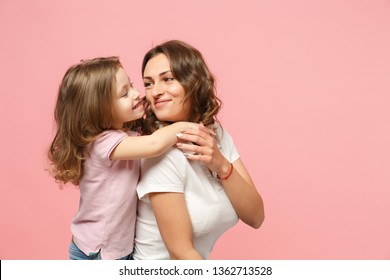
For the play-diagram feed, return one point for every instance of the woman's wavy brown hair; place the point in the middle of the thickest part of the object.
(84, 109)
(190, 69)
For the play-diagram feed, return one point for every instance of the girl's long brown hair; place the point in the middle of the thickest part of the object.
(190, 69)
(84, 109)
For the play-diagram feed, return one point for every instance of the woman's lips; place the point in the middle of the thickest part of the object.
(160, 103)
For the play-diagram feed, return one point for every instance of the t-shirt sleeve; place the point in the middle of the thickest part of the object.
(227, 147)
(162, 174)
(106, 143)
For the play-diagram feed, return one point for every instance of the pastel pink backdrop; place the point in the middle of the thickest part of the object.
(305, 86)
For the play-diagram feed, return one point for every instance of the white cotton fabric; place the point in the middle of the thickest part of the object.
(210, 210)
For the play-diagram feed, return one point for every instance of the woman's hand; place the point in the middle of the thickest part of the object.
(203, 148)
(236, 180)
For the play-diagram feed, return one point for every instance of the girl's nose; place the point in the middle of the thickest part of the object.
(135, 93)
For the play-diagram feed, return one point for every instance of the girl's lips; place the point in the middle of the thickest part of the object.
(137, 105)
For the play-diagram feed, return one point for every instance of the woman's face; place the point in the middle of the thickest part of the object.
(164, 93)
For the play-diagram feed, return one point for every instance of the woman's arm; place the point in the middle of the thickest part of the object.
(242, 193)
(174, 223)
(239, 186)
(137, 147)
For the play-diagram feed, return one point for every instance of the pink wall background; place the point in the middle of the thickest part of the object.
(306, 93)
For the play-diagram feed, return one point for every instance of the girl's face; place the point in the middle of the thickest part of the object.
(126, 100)
(164, 93)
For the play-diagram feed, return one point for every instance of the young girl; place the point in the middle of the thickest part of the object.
(95, 149)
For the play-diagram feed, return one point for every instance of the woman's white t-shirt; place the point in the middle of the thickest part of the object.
(210, 210)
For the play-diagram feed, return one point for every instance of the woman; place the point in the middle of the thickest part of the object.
(189, 196)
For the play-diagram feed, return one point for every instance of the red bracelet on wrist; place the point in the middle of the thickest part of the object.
(227, 176)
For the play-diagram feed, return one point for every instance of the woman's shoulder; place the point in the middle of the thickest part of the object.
(225, 143)
(172, 158)
(222, 134)
(165, 173)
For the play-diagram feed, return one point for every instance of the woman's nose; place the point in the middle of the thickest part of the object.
(157, 90)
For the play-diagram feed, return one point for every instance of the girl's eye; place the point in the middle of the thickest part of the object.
(125, 94)
(132, 85)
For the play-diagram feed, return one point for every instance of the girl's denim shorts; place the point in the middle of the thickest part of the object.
(76, 254)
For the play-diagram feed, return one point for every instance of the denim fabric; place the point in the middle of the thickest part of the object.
(76, 254)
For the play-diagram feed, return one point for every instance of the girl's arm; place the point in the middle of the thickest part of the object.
(137, 147)
(174, 223)
(238, 185)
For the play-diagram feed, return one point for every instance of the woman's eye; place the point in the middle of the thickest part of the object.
(167, 79)
(147, 84)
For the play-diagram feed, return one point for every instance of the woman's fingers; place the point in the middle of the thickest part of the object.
(199, 130)
(203, 158)
(198, 137)
(195, 149)
(207, 130)
(202, 146)
(212, 157)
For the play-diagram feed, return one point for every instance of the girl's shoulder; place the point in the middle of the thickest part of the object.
(106, 141)
(114, 134)
(111, 132)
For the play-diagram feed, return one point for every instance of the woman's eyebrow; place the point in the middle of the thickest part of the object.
(165, 72)
(161, 74)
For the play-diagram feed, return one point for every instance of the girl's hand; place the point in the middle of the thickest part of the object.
(203, 149)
